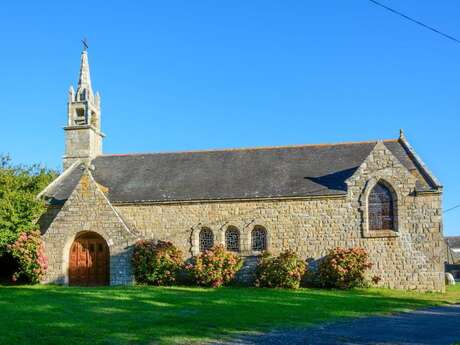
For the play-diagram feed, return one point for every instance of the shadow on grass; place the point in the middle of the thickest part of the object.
(147, 315)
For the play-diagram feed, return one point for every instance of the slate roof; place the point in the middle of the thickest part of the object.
(294, 171)
(453, 242)
(453, 245)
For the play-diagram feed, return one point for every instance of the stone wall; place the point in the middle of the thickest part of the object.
(409, 258)
(82, 143)
(87, 209)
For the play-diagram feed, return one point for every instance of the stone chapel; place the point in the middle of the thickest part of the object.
(309, 198)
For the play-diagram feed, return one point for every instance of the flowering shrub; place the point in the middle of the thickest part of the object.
(156, 263)
(29, 252)
(344, 268)
(283, 271)
(214, 267)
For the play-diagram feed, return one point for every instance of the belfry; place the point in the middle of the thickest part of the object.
(83, 131)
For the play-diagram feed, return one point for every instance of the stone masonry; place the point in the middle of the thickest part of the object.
(87, 209)
(83, 131)
(410, 256)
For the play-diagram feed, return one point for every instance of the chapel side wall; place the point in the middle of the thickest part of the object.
(412, 260)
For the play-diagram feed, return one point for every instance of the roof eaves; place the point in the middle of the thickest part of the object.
(58, 179)
(418, 161)
(214, 200)
(428, 191)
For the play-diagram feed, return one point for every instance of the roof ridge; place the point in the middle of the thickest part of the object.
(259, 148)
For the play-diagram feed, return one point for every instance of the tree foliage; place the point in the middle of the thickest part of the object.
(19, 206)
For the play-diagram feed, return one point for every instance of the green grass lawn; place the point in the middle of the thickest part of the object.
(147, 315)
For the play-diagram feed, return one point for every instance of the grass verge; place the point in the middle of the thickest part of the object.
(148, 315)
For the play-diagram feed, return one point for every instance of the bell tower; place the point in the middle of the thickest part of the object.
(83, 136)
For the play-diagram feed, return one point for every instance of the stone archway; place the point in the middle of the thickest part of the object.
(89, 260)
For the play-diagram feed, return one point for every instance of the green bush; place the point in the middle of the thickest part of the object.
(156, 263)
(344, 268)
(283, 271)
(214, 267)
(29, 252)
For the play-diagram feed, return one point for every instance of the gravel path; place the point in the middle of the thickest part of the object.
(433, 326)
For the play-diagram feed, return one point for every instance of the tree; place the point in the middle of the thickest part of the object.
(19, 206)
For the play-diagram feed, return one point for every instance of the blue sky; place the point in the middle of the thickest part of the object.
(183, 75)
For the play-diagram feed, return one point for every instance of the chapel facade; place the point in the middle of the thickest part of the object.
(308, 198)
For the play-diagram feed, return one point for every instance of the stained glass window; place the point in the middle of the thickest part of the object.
(381, 212)
(259, 239)
(232, 239)
(206, 239)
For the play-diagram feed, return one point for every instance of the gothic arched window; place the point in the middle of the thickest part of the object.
(206, 239)
(259, 238)
(232, 239)
(381, 208)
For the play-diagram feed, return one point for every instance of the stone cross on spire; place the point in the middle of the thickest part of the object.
(85, 43)
(83, 130)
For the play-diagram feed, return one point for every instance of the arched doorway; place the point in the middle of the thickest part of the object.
(89, 260)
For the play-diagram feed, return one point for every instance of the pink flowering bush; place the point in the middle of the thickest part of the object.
(283, 271)
(344, 268)
(29, 252)
(156, 263)
(214, 267)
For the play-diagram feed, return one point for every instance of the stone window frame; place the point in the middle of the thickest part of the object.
(235, 230)
(245, 230)
(365, 209)
(255, 227)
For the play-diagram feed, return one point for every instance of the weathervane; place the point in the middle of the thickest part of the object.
(85, 43)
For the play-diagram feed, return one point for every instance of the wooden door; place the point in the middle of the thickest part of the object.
(89, 261)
